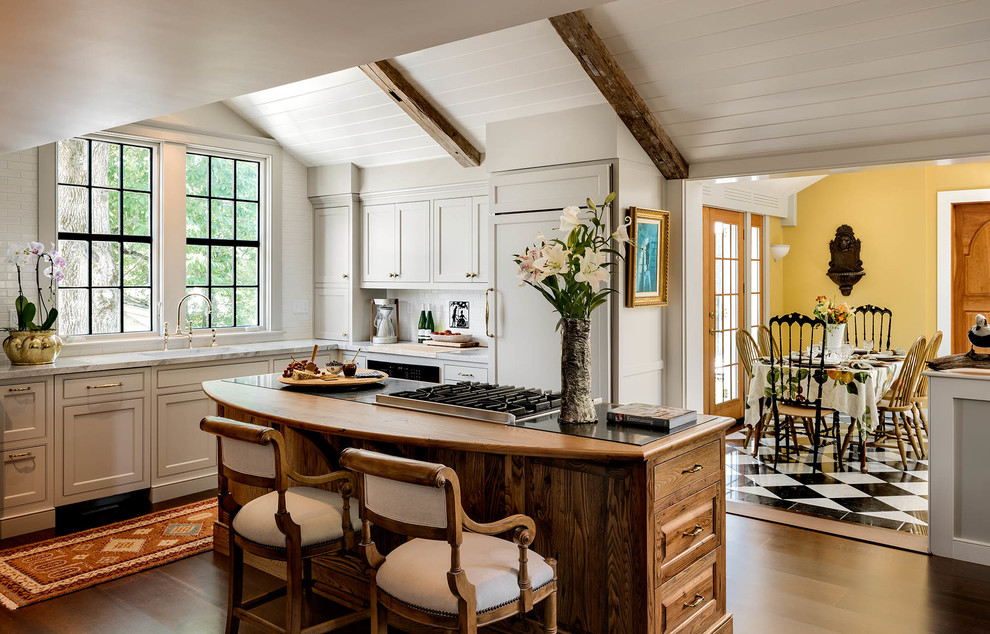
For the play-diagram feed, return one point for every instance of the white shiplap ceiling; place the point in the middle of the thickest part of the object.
(728, 79)
(344, 117)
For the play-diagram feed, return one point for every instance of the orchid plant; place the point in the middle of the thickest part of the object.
(831, 313)
(22, 256)
(572, 271)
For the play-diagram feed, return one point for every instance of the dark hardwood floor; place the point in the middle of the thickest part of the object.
(780, 580)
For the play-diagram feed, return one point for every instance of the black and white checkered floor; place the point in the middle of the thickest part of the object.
(888, 496)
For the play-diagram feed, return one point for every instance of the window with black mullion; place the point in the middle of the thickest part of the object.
(222, 239)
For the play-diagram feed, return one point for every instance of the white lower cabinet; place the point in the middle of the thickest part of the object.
(331, 314)
(181, 446)
(25, 477)
(24, 410)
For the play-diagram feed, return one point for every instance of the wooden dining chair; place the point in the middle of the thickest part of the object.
(766, 346)
(920, 398)
(454, 574)
(748, 353)
(869, 323)
(899, 403)
(290, 524)
(796, 383)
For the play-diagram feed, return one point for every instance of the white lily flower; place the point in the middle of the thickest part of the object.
(569, 219)
(553, 262)
(527, 271)
(591, 270)
(621, 234)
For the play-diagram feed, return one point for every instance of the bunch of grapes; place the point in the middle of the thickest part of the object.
(292, 367)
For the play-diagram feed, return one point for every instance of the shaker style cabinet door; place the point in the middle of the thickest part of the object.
(378, 228)
(23, 411)
(333, 246)
(480, 240)
(330, 314)
(181, 446)
(413, 225)
(454, 240)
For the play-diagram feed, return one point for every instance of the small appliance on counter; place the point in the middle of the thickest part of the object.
(384, 321)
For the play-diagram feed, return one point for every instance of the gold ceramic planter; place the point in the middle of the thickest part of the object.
(32, 347)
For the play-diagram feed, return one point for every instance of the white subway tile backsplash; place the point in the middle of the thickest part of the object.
(412, 301)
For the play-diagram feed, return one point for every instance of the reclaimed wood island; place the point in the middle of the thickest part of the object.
(637, 530)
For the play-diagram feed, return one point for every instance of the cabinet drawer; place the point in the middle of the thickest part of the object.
(692, 602)
(197, 374)
(103, 385)
(464, 373)
(24, 410)
(687, 469)
(24, 476)
(687, 531)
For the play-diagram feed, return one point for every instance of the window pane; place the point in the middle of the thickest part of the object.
(137, 265)
(247, 221)
(754, 275)
(197, 218)
(222, 266)
(73, 209)
(73, 161)
(197, 273)
(106, 310)
(137, 309)
(717, 229)
(73, 311)
(106, 264)
(223, 307)
(247, 180)
(222, 177)
(106, 164)
(197, 308)
(754, 238)
(247, 307)
(137, 214)
(197, 174)
(222, 219)
(137, 168)
(247, 265)
(76, 254)
(106, 211)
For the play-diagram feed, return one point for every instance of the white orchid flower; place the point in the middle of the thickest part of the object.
(621, 234)
(569, 219)
(36, 248)
(591, 270)
(553, 262)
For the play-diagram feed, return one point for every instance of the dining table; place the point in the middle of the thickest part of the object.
(854, 388)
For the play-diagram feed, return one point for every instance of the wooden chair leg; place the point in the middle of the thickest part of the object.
(923, 416)
(550, 613)
(849, 433)
(379, 617)
(235, 576)
(911, 434)
(900, 443)
(916, 428)
(294, 593)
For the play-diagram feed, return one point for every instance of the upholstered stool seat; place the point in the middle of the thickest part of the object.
(415, 573)
(318, 512)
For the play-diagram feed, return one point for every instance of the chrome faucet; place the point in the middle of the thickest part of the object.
(188, 333)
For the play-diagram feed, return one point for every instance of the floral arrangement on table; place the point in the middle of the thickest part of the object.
(572, 272)
(33, 340)
(831, 313)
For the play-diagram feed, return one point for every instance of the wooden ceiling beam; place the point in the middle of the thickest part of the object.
(591, 52)
(419, 108)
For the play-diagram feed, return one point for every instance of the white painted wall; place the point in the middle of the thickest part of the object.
(214, 118)
(297, 250)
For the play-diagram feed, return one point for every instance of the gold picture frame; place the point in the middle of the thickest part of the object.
(647, 257)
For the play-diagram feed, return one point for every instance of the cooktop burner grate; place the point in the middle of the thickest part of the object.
(483, 401)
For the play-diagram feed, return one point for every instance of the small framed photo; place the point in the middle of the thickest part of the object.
(460, 314)
(646, 261)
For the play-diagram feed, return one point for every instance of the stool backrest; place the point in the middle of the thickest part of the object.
(930, 352)
(906, 382)
(408, 497)
(249, 454)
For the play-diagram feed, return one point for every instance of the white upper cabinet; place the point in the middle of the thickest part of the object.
(332, 259)
(413, 225)
(481, 220)
(454, 240)
(379, 231)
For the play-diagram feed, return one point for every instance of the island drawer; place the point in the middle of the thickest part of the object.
(24, 476)
(102, 385)
(687, 531)
(24, 410)
(687, 469)
(692, 602)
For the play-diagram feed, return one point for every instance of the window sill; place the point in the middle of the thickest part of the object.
(81, 345)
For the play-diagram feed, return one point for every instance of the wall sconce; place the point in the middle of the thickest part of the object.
(778, 251)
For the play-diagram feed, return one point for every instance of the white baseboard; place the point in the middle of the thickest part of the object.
(27, 523)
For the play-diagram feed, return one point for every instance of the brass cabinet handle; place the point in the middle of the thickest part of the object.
(698, 600)
(464, 374)
(698, 530)
(695, 469)
(19, 389)
(489, 334)
(104, 385)
(344, 275)
(467, 275)
(23, 454)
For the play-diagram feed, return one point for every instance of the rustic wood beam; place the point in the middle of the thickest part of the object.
(579, 36)
(417, 106)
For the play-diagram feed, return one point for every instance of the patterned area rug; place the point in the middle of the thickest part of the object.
(40, 571)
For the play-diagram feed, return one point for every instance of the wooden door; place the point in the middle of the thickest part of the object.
(970, 269)
(454, 239)
(379, 241)
(412, 221)
(724, 294)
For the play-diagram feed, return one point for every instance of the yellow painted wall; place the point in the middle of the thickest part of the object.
(893, 212)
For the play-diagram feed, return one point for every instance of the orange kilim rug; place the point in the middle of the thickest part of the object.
(40, 571)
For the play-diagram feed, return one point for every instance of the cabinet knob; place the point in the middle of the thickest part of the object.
(344, 275)
(467, 275)
(343, 334)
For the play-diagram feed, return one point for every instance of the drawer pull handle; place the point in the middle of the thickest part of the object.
(695, 469)
(19, 389)
(15, 456)
(698, 600)
(464, 374)
(698, 530)
(104, 385)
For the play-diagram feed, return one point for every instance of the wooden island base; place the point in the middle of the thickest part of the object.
(638, 532)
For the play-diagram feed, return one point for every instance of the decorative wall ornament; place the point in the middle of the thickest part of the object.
(845, 268)
(647, 258)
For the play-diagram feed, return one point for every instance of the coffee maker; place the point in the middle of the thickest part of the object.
(384, 321)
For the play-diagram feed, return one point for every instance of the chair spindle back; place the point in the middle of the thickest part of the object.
(930, 352)
(797, 379)
(747, 349)
(870, 323)
(906, 382)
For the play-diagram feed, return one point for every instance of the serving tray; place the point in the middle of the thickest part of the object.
(335, 381)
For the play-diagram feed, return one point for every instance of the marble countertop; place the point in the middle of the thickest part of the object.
(152, 358)
(981, 374)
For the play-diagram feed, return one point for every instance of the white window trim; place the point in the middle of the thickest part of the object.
(168, 207)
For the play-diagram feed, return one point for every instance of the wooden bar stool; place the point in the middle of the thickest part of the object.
(288, 524)
(471, 580)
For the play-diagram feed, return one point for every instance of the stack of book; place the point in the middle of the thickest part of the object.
(653, 416)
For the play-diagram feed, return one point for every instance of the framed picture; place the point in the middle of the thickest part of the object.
(646, 260)
(460, 314)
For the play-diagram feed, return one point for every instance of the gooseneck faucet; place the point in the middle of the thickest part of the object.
(188, 333)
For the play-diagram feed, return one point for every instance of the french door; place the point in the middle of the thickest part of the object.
(970, 264)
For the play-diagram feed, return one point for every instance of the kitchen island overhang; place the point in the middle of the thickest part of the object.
(635, 529)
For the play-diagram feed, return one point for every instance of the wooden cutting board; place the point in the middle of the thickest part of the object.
(451, 344)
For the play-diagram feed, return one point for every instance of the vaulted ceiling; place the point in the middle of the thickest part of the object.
(726, 79)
